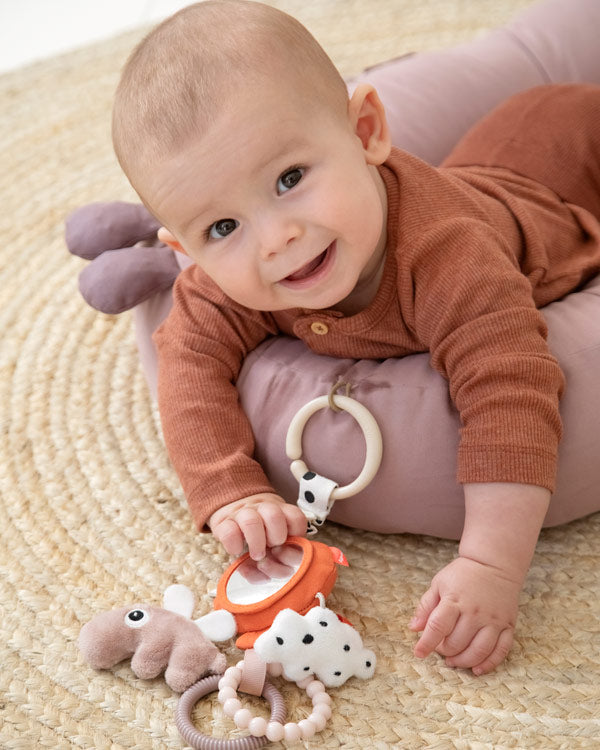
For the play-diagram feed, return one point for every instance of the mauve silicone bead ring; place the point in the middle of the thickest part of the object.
(367, 423)
(201, 741)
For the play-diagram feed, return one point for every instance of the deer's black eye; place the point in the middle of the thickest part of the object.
(135, 618)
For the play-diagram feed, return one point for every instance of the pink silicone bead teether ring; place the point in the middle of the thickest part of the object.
(275, 730)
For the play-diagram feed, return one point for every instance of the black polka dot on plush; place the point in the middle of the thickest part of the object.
(337, 674)
(309, 497)
(309, 475)
(323, 623)
(279, 640)
(308, 639)
(368, 663)
(306, 669)
(346, 647)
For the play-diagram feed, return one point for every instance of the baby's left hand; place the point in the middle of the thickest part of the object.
(468, 615)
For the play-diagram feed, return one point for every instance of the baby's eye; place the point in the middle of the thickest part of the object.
(222, 228)
(289, 179)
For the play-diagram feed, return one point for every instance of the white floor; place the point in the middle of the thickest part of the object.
(31, 30)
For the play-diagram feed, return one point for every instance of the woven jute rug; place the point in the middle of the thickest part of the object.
(91, 513)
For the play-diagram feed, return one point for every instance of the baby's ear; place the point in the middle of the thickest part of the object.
(165, 236)
(367, 116)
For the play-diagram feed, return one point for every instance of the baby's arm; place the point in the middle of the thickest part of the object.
(488, 339)
(260, 521)
(200, 350)
(469, 612)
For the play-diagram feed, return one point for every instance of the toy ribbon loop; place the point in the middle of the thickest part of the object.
(315, 499)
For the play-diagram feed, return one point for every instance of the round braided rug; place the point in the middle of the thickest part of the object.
(91, 513)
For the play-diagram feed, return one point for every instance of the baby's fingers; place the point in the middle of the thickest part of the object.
(252, 526)
(498, 655)
(296, 520)
(480, 646)
(425, 607)
(274, 523)
(228, 533)
(440, 623)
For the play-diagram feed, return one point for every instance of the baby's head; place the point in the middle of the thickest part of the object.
(236, 130)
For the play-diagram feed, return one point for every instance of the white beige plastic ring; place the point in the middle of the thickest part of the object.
(371, 433)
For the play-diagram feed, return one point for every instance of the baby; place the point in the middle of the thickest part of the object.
(237, 132)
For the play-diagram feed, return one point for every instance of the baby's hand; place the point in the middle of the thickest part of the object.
(468, 615)
(260, 521)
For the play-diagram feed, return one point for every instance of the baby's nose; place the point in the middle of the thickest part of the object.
(276, 237)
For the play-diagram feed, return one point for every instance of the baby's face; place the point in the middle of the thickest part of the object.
(277, 202)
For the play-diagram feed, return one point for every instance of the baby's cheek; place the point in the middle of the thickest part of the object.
(366, 213)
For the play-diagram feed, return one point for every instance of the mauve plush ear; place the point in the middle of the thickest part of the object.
(120, 279)
(97, 227)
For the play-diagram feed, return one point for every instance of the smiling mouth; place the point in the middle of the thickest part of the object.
(310, 268)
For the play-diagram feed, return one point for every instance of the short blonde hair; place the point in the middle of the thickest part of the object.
(179, 76)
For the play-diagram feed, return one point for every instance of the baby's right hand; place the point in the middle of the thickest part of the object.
(260, 521)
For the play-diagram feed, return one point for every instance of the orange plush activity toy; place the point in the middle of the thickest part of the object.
(316, 573)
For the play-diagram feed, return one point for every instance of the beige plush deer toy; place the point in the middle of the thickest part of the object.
(159, 639)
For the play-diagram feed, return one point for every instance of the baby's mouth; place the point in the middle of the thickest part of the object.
(310, 267)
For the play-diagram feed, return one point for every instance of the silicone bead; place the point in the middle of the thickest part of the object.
(234, 672)
(231, 705)
(242, 718)
(321, 698)
(275, 731)
(291, 732)
(318, 720)
(324, 709)
(258, 726)
(225, 693)
(274, 669)
(303, 684)
(314, 688)
(307, 728)
(228, 681)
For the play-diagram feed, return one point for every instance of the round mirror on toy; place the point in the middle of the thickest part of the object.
(254, 580)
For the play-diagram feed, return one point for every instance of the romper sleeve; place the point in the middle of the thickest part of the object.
(474, 310)
(201, 347)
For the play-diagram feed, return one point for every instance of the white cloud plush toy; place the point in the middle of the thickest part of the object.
(317, 643)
